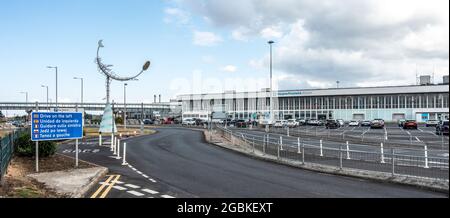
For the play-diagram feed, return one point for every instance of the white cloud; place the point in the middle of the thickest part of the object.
(357, 42)
(229, 68)
(176, 15)
(271, 33)
(206, 38)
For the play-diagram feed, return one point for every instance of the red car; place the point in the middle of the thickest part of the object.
(410, 124)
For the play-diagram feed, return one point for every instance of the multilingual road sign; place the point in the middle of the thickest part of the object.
(49, 126)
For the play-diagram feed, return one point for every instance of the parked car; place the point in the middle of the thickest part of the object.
(148, 122)
(377, 123)
(301, 122)
(200, 122)
(353, 123)
(410, 124)
(366, 123)
(241, 124)
(401, 122)
(292, 123)
(315, 122)
(432, 123)
(442, 128)
(188, 121)
(280, 124)
(332, 124)
(341, 122)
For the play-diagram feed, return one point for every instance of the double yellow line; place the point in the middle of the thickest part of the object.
(109, 183)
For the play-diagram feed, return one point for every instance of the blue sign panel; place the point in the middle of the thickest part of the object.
(48, 126)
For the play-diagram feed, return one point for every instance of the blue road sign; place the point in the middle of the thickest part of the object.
(49, 126)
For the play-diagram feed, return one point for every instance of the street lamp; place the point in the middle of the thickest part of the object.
(271, 91)
(125, 105)
(82, 81)
(56, 71)
(26, 96)
(44, 86)
(337, 84)
(26, 101)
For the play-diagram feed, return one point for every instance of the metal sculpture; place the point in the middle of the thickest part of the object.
(110, 74)
(108, 123)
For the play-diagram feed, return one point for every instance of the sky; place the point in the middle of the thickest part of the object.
(202, 46)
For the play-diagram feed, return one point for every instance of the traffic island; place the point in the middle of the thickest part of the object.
(57, 178)
(241, 146)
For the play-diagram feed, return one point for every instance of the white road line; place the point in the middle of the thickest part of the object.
(418, 139)
(167, 196)
(136, 193)
(150, 191)
(120, 188)
(132, 186)
(145, 176)
(152, 180)
(139, 172)
(119, 182)
(420, 129)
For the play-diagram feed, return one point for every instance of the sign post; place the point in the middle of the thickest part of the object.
(53, 126)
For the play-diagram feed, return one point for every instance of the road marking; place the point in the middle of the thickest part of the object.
(167, 196)
(145, 176)
(420, 129)
(139, 172)
(119, 182)
(150, 191)
(102, 187)
(109, 187)
(418, 139)
(136, 193)
(132, 186)
(152, 180)
(120, 188)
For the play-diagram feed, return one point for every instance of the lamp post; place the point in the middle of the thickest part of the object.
(44, 86)
(125, 105)
(82, 81)
(271, 91)
(337, 84)
(26, 103)
(56, 81)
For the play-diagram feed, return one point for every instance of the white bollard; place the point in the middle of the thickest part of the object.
(100, 140)
(118, 148)
(382, 154)
(426, 157)
(348, 151)
(76, 153)
(124, 162)
(112, 141)
(115, 146)
(288, 131)
(281, 142)
(298, 145)
(321, 148)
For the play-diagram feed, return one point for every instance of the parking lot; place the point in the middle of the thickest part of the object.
(391, 135)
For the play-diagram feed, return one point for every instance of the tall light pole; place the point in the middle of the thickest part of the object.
(82, 81)
(44, 86)
(125, 105)
(56, 81)
(26, 101)
(271, 91)
(337, 84)
(26, 96)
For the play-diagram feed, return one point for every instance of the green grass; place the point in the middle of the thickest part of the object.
(27, 192)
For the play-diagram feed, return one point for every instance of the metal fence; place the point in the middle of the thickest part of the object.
(7, 149)
(393, 160)
(363, 137)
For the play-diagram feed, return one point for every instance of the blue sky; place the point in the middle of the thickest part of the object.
(212, 46)
(35, 34)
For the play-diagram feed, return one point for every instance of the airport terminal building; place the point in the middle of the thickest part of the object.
(417, 102)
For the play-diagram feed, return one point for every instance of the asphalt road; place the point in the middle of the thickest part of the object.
(183, 164)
